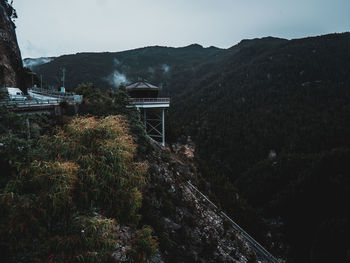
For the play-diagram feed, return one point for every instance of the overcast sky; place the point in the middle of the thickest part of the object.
(56, 27)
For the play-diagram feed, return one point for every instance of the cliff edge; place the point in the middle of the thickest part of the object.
(11, 67)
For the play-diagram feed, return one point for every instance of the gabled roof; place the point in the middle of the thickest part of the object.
(142, 85)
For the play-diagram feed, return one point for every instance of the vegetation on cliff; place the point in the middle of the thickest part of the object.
(63, 193)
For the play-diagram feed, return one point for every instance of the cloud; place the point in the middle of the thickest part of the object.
(116, 62)
(116, 79)
(101, 2)
(34, 62)
(165, 68)
(220, 23)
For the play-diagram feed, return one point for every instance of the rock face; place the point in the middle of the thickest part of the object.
(188, 230)
(11, 67)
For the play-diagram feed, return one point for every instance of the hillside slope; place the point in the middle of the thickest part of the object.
(265, 120)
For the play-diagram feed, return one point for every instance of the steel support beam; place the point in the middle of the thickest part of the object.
(153, 123)
(163, 128)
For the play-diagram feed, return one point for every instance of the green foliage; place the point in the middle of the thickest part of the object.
(63, 205)
(95, 102)
(18, 134)
(93, 243)
(144, 245)
(3, 94)
(100, 103)
(88, 91)
(121, 98)
(15, 143)
(104, 152)
(309, 193)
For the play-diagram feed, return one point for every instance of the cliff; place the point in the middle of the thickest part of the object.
(187, 227)
(11, 67)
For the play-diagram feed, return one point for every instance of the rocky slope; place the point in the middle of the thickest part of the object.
(188, 229)
(11, 68)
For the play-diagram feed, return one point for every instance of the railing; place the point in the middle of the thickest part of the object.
(149, 100)
(30, 103)
(52, 92)
(63, 96)
(258, 248)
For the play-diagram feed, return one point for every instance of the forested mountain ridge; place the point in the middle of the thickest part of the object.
(110, 69)
(270, 118)
(280, 84)
(265, 121)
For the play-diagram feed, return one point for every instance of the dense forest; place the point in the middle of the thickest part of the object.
(109, 70)
(272, 122)
(270, 119)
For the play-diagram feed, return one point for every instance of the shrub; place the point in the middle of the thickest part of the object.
(144, 245)
(50, 206)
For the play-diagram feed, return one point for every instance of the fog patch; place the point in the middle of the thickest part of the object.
(272, 154)
(34, 62)
(116, 62)
(165, 68)
(116, 79)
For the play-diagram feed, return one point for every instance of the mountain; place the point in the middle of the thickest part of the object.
(270, 119)
(108, 70)
(271, 123)
(31, 63)
(11, 68)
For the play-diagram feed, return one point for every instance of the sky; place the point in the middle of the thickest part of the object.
(57, 27)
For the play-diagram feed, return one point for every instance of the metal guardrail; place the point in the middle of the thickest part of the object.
(68, 96)
(149, 100)
(247, 237)
(202, 195)
(30, 103)
(51, 92)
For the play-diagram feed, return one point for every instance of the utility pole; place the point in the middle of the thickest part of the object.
(63, 76)
(163, 127)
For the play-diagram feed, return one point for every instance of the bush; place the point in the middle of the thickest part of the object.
(50, 206)
(144, 245)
